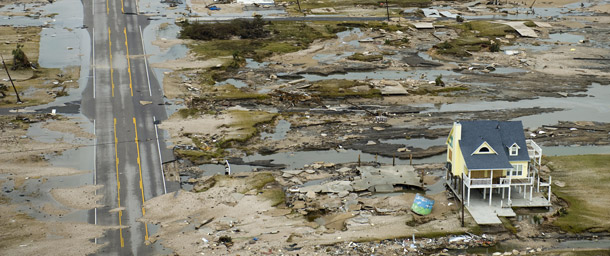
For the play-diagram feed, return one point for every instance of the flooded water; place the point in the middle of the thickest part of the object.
(592, 107)
(564, 38)
(281, 129)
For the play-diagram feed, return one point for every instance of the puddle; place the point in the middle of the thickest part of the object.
(573, 244)
(530, 47)
(564, 38)
(436, 188)
(236, 83)
(252, 64)
(281, 129)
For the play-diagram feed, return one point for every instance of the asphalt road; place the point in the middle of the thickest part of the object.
(128, 149)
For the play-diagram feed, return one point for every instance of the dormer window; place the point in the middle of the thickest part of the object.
(485, 148)
(514, 150)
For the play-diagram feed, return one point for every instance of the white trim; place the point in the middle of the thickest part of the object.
(514, 147)
(484, 145)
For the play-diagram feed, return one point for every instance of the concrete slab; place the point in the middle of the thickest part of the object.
(448, 14)
(521, 28)
(423, 25)
(386, 175)
(393, 90)
(543, 24)
(431, 13)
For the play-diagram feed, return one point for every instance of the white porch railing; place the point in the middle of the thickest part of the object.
(517, 181)
(473, 182)
(533, 150)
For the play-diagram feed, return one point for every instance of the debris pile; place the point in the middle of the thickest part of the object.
(423, 246)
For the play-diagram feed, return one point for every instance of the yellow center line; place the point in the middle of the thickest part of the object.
(107, 7)
(122, 7)
(111, 70)
(128, 61)
(135, 126)
(118, 183)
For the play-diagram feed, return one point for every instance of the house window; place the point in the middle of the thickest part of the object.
(484, 149)
(514, 150)
(517, 170)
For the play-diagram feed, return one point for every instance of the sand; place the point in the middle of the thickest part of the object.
(83, 197)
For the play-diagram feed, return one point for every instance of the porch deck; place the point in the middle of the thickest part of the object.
(485, 214)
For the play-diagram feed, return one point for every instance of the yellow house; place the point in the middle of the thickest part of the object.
(487, 155)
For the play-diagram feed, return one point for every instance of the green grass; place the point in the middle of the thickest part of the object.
(284, 37)
(259, 180)
(508, 225)
(586, 180)
(276, 196)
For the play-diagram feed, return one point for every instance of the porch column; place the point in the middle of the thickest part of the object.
(550, 188)
(484, 193)
(491, 185)
(524, 191)
(531, 191)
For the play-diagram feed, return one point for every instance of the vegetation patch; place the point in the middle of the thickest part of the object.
(335, 88)
(313, 4)
(244, 125)
(508, 225)
(365, 57)
(434, 91)
(276, 37)
(474, 36)
(586, 179)
(230, 92)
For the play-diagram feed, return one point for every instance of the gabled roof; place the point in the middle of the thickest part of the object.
(500, 135)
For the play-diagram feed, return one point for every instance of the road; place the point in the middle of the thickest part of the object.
(128, 150)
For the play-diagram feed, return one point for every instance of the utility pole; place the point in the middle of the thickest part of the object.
(9, 78)
(299, 4)
(463, 199)
(387, 8)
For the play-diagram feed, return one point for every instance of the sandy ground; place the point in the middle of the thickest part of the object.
(24, 164)
(204, 125)
(192, 223)
(23, 235)
(78, 198)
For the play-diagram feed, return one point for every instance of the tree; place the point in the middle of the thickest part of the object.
(20, 60)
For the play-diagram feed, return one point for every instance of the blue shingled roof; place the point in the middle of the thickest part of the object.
(500, 135)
